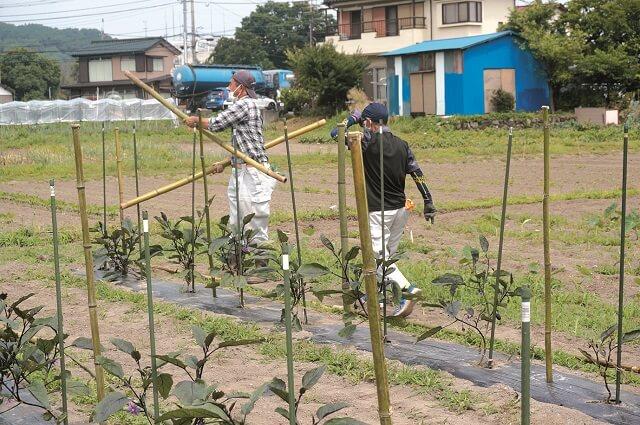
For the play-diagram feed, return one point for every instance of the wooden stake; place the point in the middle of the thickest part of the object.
(370, 280)
(226, 146)
(548, 355)
(88, 260)
(213, 168)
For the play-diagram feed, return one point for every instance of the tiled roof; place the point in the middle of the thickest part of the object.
(119, 46)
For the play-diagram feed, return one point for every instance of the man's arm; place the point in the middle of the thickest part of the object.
(418, 177)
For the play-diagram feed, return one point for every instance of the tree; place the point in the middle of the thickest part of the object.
(29, 74)
(542, 33)
(326, 73)
(269, 31)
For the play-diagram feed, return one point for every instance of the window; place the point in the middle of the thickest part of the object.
(391, 14)
(428, 62)
(379, 82)
(128, 63)
(100, 70)
(158, 64)
(459, 12)
(453, 62)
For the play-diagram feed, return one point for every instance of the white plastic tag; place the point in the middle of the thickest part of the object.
(145, 226)
(526, 312)
(285, 262)
(53, 190)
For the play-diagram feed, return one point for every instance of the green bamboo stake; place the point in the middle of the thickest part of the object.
(56, 264)
(548, 355)
(193, 214)
(104, 183)
(503, 217)
(207, 216)
(135, 167)
(525, 347)
(342, 210)
(383, 282)
(289, 334)
(295, 220)
(239, 236)
(625, 153)
(369, 273)
(88, 260)
(152, 332)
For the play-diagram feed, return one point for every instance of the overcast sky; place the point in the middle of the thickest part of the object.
(124, 18)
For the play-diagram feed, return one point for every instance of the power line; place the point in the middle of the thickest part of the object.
(75, 10)
(88, 15)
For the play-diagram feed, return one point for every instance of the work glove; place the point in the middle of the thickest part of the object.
(353, 118)
(429, 211)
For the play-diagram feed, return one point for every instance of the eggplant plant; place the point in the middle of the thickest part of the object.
(29, 352)
(611, 217)
(197, 402)
(117, 249)
(469, 301)
(187, 239)
(604, 348)
(309, 379)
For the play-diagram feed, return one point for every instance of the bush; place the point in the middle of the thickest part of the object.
(297, 99)
(503, 101)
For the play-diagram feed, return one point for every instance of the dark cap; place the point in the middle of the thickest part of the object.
(375, 112)
(245, 79)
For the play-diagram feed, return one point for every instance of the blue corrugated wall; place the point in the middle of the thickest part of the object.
(392, 94)
(409, 64)
(532, 90)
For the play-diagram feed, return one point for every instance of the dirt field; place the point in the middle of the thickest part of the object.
(584, 261)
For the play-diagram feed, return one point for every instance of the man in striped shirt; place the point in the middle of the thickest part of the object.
(254, 188)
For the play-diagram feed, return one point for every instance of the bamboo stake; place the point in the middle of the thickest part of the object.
(135, 167)
(238, 236)
(295, 221)
(289, 336)
(119, 172)
(104, 183)
(207, 216)
(342, 209)
(226, 146)
(548, 355)
(623, 217)
(60, 330)
(503, 217)
(383, 283)
(370, 280)
(88, 259)
(213, 169)
(152, 332)
(192, 266)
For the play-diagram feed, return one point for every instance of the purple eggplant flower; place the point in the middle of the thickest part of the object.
(133, 408)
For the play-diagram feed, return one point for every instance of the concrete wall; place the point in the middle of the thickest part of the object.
(371, 44)
(493, 12)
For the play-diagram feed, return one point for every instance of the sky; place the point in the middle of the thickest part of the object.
(132, 18)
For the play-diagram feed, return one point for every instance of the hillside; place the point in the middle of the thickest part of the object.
(57, 43)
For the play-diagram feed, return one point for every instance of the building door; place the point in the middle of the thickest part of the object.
(356, 24)
(495, 79)
(423, 93)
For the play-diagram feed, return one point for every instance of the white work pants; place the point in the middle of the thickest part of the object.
(394, 222)
(254, 190)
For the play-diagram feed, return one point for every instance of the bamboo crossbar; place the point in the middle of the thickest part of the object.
(216, 166)
(226, 146)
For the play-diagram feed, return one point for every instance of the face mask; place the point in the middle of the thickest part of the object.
(232, 95)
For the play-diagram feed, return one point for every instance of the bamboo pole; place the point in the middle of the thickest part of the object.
(289, 337)
(88, 259)
(207, 215)
(623, 217)
(383, 283)
(503, 217)
(226, 146)
(60, 330)
(295, 221)
(239, 237)
(104, 183)
(152, 332)
(370, 280)
(213, 169)
(135, 167)
(192, 266)
(342, 210)
(548, 355)
(119, 172)
(525, 359)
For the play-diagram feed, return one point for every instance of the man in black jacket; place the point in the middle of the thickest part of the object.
(398, 162)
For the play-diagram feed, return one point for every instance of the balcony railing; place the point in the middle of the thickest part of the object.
(382, 28)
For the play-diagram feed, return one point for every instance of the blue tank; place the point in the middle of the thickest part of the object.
(209, 77)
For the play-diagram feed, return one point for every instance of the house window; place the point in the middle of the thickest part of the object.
(460, 12)
(391, 14)
(453, 62)
(100, 70)
(128, 63)
(379, 82)
(158, 64)
(428, 62)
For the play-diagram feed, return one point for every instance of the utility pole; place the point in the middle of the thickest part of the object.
(184, 32)
(310, 24)
(102, 35)
(194, 59)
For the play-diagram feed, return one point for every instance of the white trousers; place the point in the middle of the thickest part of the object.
(394, 222)
(254, 190)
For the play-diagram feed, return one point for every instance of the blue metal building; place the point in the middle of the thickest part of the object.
(458, 76)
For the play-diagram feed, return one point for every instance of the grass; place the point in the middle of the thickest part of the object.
(36, 201)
